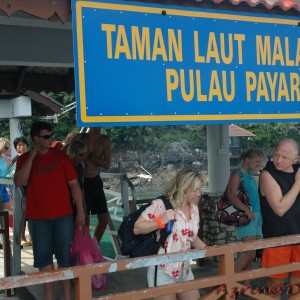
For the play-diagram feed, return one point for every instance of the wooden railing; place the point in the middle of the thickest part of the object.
(227, 279)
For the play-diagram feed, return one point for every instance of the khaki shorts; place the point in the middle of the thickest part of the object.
(164, 278)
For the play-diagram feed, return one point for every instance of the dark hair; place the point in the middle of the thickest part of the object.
(18, 140)
(36, 128)
(251, 153)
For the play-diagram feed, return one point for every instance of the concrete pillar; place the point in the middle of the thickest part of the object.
(218, 157)
(14, 131)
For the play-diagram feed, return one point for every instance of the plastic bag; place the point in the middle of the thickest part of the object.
(84, 250)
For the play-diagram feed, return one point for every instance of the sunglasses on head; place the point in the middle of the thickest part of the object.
(46, 137)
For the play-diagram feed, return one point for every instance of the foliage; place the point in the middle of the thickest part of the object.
(268, 134)
(4, 129)
(154, 137)
(67, 121)
(141, 138)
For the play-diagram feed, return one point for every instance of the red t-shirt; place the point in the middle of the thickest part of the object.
(48, 195)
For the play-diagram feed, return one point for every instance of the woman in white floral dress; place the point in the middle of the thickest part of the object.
(184, 192)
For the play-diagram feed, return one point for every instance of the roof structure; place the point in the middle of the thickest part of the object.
(269, 4)
(41, 103)
(236, 131)
(47, 9)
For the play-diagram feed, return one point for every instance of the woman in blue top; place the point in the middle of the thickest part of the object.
(5, 162)
(250, 163)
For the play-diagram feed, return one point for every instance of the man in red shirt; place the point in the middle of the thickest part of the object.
(50, 177)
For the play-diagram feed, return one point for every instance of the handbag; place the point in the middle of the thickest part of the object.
(84, 250)
(229, 214)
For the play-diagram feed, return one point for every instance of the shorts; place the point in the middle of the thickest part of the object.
(4, 196)
(94, 196)
(281, 256)
(51, 237)
(163, 278)
(254, 228)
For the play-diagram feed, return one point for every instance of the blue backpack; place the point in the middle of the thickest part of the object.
(142, 244)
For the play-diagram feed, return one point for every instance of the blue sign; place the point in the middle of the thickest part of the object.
(149, 64)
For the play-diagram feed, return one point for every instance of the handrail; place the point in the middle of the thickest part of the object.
(227, 278)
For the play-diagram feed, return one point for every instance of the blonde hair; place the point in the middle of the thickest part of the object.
(75, 147)
(3, 142)
(184, 181)
(70, 136)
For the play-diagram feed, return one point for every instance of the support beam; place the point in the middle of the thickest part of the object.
(14, 132)
(218, 157)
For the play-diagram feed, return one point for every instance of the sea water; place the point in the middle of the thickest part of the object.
(106, 246)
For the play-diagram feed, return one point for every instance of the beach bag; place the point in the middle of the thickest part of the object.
(84, 250)
(229, 214)
(142, 244)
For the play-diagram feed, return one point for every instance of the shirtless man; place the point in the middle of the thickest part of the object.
(99, 155)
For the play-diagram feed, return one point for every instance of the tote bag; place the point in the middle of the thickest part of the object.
(84, 250)
(229, 214)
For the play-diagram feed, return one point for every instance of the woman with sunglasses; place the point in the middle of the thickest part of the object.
(5, 162)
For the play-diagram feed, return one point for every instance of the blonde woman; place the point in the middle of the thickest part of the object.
(5, 162)
(184, 192)
(77, 151)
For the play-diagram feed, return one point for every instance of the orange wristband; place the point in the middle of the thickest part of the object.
(160, 223)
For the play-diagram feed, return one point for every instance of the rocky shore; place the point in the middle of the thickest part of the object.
(152, 170)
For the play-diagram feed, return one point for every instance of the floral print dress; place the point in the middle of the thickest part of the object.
(183, 233)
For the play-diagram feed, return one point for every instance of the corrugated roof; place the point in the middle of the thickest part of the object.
(48, 9)
(235, 131)
(269, 4)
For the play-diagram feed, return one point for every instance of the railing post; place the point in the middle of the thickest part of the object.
(19, 215)
(226, 267)
(124, 195)
(6, 246)
(83, 288)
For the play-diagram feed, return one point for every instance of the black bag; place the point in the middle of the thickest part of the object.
(229, 214)
(142, 244)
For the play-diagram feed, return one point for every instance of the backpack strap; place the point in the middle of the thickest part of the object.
(155, 275)
(241, 185)
(163, 233)
(166, 202)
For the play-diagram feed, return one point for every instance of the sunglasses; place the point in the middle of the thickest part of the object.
(7, 148)
(46, 137)
(81, 154)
